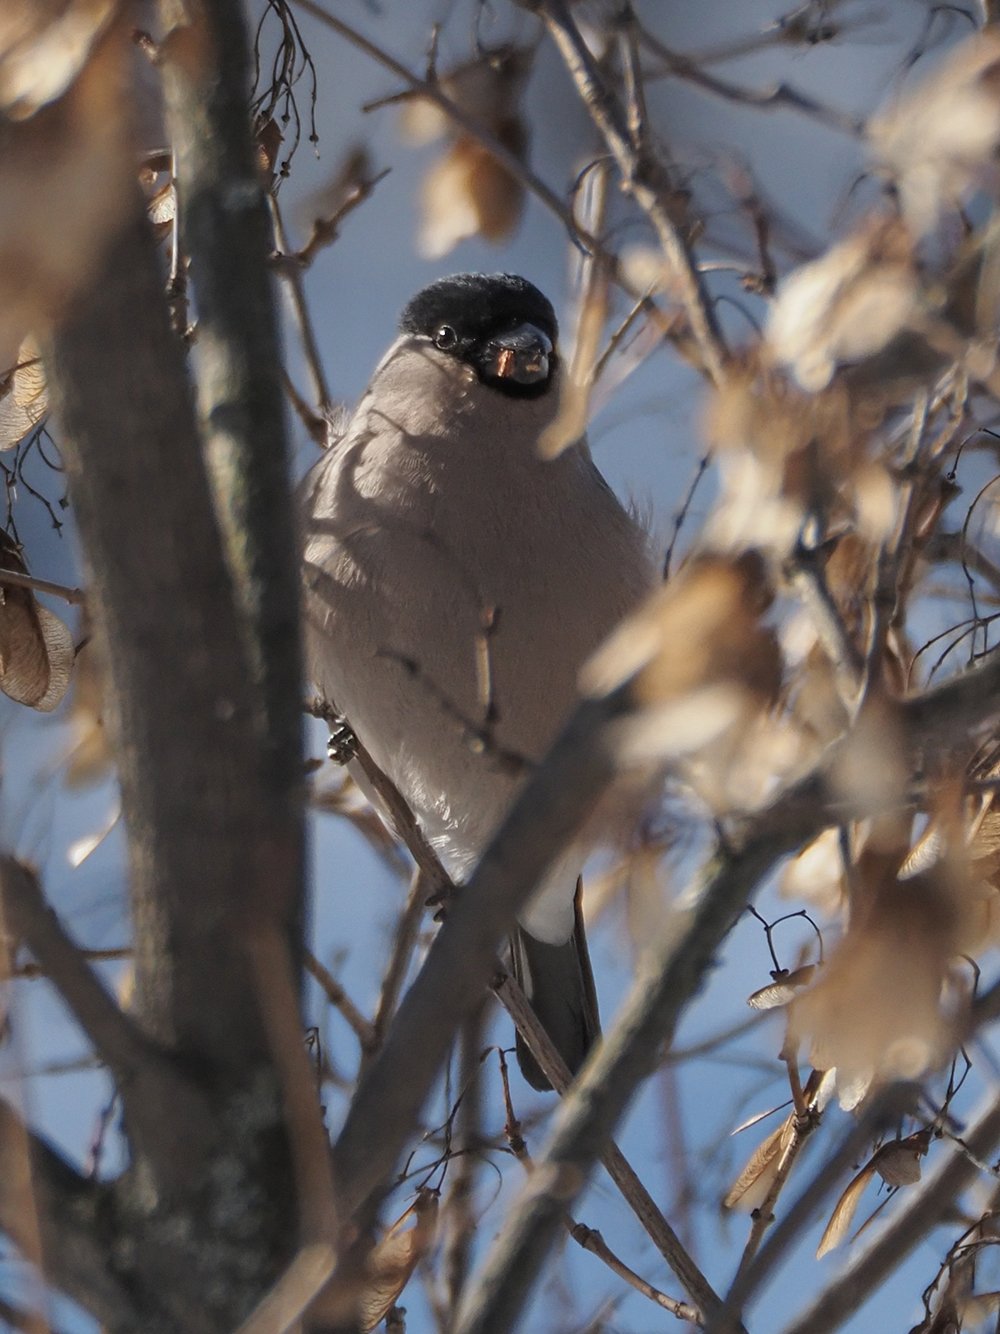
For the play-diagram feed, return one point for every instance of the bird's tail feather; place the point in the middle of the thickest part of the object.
(559, 983)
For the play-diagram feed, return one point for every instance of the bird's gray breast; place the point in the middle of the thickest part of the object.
(454, 584)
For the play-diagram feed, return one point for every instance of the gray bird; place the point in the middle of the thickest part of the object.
(455, 583)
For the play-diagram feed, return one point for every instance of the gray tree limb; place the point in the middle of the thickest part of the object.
(47, 1207)
(672, 971)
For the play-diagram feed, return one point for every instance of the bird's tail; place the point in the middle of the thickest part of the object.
(559, 983)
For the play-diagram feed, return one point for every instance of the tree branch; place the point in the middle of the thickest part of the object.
(546, 815)
(666, 1240)
(670, 974)
(164, 1114)
(180, 702)
(927, 1204)
(45, 1203)
(511, 163)
(644, 178)
(18, 579)
(226, 230)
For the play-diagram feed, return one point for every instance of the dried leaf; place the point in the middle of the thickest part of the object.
(24, 397)
(89, 759)
(467, 192)
(751, 1187)
(779, 450)
(570, 421)
(847, 305)
(728, 674)
(978, 1307)
(783, 989)
(161, 206)
(941, 138)
(58, 642)
(82, 848)
(44, 47)
(843, 1215)
(875, 1010)
(816, 874)
(36, 648)
(487, 88)
(66, 166)
(395, 1257)
(755, 1120)
(897, 1162)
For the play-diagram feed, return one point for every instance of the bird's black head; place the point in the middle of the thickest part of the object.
(497, 323)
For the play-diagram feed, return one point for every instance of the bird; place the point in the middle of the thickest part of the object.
(456, 581)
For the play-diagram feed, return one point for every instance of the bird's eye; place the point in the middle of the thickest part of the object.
(445, 338)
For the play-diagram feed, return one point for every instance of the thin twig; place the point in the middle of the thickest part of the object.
(31, 968)
(363, 1028)
(431, 90)
(681, 515)
(157, 1099)
(927, 1204)
(763, 1215)
(807, 575)
(782, 95)
(459, 1207)
(18, 579)
(291, 275)
(308, 1138)
(514, 1001)
(644, 178)
(591, 1240)
(403, 945)
(326, 230)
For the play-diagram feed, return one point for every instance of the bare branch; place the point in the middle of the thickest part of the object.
(283, 1307)
(339, 999)
(667, 978)
(591, 1240)
(164, 1114)
(645, 180)
(512, 998)
(26, 1321)
(544, 818)
(226, 230)
(115, 1036)
(292, 278)
(616, 1164)
(782, 95)
(18, 579)
(44, 1202)
(160, 588)
(403, 945)
(927, 1204)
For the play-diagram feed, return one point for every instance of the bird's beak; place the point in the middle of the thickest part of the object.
(523, 355)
